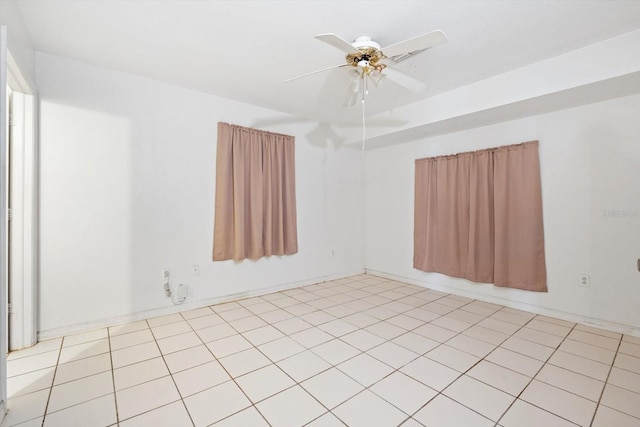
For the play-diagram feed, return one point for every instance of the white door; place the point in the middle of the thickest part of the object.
(3, 221)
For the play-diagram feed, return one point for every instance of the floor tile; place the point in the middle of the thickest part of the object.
(205, 321)
(235, 314)
(85, 337)
(523, 414)
(139, 373)
(178, 342)
(360, 320)
(379, 412)
(596, 336)
(405, 322)
(498, 325)
(134, 354)
(245, 418)
(403, 392)
(292, 407)
(215, 332)
(629, 348)
(144, 397)
(575, 383)
(216, 403)
(26, 407)
(435, 332)
(317, 317)
(303, 365)
(416, 343)
(164, 320)
(499, 377)
(41, 347)
(628, 363)
(578, 364)
(365, 369)
(243, 362)
(621, 400)
(199, 378)
(528, 348)
(550, 328)
(385, 330)
(471, 345)
(170, 329)
(30, 382)
(539, 337)
(624, 379)
(276, 316)
(455, 359)
(263, 335)
(338, 327)
(291, 326)
(264, 382)
(281, 348)
(444, 412)
(78, 391)
(195, 313)
(171, 415)
(362, 340)
(326, 420)
(81, 351)
(515, 361)
(588, 351)
(331, 387)
(98, 412)
(335, 351)
(607, 417)
(82, 368)
(431, 373)
(392, 354)
(311, 337)
(247, 323)
(127, 328)
(482, 398)
(131, 338)
(559, 402)
(229, 345)
(188, 358)
(452, 324)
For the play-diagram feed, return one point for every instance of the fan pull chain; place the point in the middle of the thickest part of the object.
(364, 128)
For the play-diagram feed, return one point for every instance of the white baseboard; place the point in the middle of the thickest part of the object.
(570, 317)
(190, 305)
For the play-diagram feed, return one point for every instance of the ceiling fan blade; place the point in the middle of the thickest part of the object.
(315, 72)
(337, 42)
(405, 80)
(416, 44)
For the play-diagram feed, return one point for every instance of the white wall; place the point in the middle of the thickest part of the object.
(128, 185)
(590, 162)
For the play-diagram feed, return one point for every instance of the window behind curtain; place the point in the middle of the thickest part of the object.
(255, 207)
(478, 216)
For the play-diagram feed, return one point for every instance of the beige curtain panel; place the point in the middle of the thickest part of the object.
(255, 212)
(478, 216)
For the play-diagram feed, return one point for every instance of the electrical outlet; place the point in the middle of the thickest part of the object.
(585, 280)
(195, 270)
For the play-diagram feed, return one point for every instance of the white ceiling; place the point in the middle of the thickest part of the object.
(243, 50)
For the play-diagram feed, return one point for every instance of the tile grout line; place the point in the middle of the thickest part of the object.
(606, 381)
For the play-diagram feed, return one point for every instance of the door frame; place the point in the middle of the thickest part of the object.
(3, 221)
(23, 202)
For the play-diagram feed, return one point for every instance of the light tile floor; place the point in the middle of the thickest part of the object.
(360, 351)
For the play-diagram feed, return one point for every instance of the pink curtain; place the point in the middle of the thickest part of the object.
(255, 212)
(478, 216)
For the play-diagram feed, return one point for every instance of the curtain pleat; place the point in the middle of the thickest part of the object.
(479, 216)
(255, 209)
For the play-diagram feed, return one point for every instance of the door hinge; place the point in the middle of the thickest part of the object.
(11, 120)
(9, 309)
(9, 214)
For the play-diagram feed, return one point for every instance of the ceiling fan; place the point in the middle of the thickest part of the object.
(367, 61)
